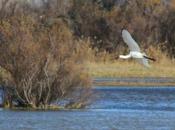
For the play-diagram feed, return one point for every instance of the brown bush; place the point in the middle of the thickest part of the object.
(41, 61)
(167, 32)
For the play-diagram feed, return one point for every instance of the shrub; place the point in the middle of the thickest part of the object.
(41, 61)
(167, 32)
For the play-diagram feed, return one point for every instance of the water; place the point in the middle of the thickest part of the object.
(141, 98)
(121, 108)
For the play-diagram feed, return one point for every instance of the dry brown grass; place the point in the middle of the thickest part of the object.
(130, 69)
(105, 67)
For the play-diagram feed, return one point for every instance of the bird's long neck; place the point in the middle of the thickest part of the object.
(125, 56)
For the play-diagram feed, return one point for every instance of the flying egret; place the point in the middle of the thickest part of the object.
(134, 50)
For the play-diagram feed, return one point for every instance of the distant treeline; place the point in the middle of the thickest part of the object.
(150, 22)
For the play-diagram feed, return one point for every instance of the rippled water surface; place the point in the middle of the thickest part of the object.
(112, 108)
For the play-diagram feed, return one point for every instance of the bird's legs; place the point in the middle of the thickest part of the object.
(149, 58)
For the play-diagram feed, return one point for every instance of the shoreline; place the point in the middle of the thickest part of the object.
(156, 82)
(135, 81)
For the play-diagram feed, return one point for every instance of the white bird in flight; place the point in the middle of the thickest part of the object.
(134, 50)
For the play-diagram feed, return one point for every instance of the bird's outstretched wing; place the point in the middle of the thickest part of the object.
(133, 46)
(144, 62)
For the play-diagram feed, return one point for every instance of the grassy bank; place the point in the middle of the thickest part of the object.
(122, 68)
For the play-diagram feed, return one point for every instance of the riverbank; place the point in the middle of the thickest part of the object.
(133, 81)
(130, 73)
(51, 107)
